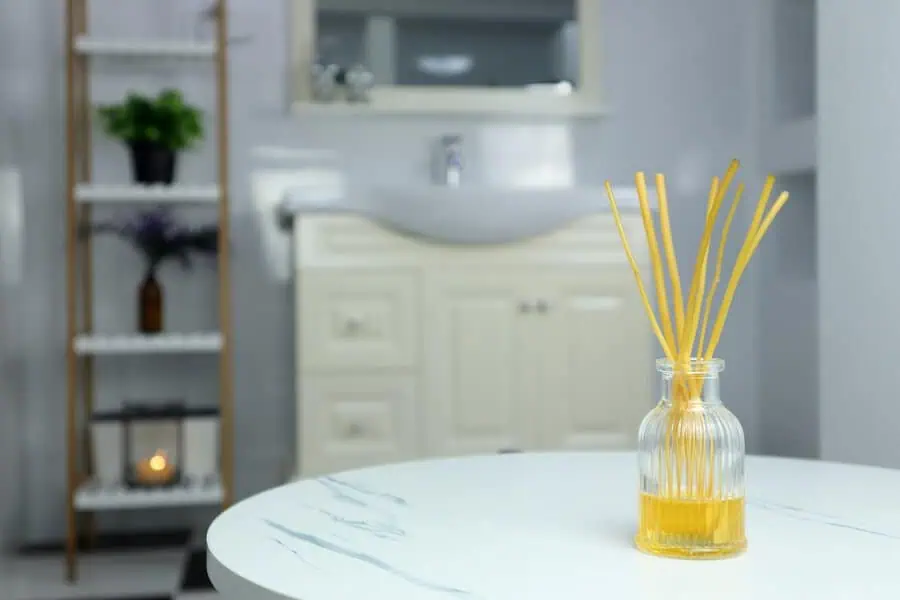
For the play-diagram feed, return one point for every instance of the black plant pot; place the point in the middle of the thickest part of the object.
(152, 163)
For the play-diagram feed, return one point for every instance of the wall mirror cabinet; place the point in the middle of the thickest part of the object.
(434, 56)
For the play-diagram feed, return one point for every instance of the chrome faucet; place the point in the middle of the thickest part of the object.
(447, 161)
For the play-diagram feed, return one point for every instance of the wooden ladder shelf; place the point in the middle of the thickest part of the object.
(84, 497)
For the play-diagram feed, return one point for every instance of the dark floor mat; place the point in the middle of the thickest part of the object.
(132, 598)
(114, 542)
(195, 577)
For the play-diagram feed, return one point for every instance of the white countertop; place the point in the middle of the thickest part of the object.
(551, 526)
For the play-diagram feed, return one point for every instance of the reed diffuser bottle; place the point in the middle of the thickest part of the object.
(690, 446)
(691, 463)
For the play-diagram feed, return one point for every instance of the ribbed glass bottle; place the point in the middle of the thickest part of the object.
(691, 461)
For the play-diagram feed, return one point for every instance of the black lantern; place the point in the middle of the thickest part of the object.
(161, 444)
(153, 441)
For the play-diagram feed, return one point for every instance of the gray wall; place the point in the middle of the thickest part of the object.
(788, 325)
(791, 36)
(786, 261)
(858, 145)
(682, 102)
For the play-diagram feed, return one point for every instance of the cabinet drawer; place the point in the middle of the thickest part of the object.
(357, 319)
(352, 420)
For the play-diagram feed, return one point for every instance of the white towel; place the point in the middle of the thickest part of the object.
(283, 178)
(12, 224)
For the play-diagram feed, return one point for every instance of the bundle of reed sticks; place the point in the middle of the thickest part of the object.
(684, 340)
(687, 468)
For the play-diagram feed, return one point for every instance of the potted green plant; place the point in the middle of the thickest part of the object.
(155, 129)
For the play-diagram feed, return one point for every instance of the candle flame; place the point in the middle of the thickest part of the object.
(158, 461)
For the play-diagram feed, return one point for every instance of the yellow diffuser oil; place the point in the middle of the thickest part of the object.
(690, 446)
(691, 528)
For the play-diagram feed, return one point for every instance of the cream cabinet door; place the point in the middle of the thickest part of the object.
(479, 355)
(357, 318)
(352, 420)
(597, 374)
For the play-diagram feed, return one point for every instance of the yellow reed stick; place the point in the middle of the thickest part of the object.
(683, 355)
(750, 245)
(667, 350)
(758, 213)
(712, 211)
(761, 204)
(684, 386)
(702, 255)
(681, 386)
(662, 198)
(655, 260)
(717, 275)
(690, 385)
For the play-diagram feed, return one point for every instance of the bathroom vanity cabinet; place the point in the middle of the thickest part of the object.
(408, 349)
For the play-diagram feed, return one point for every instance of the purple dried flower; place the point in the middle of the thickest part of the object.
(157, 235)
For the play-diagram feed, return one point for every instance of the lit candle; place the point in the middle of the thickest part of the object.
(155, 470)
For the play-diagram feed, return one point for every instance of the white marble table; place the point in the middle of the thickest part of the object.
(551, 526)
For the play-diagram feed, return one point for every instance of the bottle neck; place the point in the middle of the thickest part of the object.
(693, 389)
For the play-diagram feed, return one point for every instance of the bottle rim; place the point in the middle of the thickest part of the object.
(694, 366)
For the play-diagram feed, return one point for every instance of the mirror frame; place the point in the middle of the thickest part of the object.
(586, 100)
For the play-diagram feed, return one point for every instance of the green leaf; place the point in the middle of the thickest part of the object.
(165, 119)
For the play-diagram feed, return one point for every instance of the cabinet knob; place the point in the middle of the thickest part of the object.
(354, 430)
(542, 306)
(353, 325)
(525, 307)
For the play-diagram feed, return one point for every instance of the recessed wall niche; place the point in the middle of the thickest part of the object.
(788, 318)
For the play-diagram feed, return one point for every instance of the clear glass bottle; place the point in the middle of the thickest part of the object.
(691, 461)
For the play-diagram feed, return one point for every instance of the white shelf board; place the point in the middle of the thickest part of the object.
(161, 343)
(144, 47)
(155, 194)
(790, 147)
(344, 109)
(499, 102)
(92, 495)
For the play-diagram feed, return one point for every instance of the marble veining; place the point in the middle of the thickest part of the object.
(334, 484)
(800, 514)
(366, 558)
(359, 496)
(344, 492)
(381, 529)
(291, 550)
(339, 494)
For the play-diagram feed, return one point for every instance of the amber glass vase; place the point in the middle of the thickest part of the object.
(691, 462)
(150, 304)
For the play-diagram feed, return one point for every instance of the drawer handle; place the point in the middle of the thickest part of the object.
(353, 325)
(542, 306)
(525, 307)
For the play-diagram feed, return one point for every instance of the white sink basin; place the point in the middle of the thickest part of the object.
(463, 215)
(481, 215)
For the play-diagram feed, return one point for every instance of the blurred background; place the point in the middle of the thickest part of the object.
(330, 102)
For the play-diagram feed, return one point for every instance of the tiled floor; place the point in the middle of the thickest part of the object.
(158, 574)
